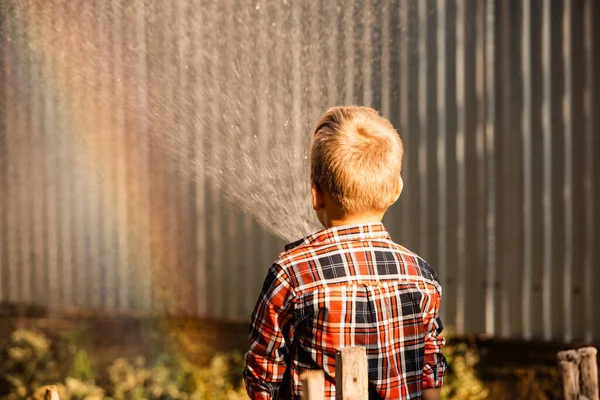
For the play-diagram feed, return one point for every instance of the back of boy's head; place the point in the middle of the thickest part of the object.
(356, 158)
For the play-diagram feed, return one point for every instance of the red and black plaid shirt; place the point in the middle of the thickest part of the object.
(347, 286)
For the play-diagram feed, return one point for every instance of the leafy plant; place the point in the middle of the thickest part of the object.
(133, 379)
(221, 378)
(461, 380)
(26, 365)
(81, 367)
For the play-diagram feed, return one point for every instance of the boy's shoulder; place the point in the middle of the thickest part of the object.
(300, 257)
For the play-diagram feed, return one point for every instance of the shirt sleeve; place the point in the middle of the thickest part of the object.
(266, 364)
(434, 366)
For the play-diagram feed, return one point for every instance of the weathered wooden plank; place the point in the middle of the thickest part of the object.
(313, 385)
(588, 368)
(568, 366)
(51, 393)
(351, 374)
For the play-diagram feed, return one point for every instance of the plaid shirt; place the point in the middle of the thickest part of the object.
(347, 286)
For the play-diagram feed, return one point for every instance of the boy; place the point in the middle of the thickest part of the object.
(349, 285)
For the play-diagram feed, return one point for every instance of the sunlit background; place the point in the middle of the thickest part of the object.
(153, 154)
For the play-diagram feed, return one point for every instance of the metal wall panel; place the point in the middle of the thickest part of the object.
(118, 118)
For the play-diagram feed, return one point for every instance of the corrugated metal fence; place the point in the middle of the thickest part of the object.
(117, 118)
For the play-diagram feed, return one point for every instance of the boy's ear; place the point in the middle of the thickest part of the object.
(399, 189)
(318, 197)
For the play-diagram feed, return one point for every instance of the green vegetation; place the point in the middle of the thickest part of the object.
(462, 381)
(30, 360)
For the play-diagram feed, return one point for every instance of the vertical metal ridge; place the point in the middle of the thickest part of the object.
(215, 159)
(169, 75)
(423, 129)
(404, 118)
(296, 38)
(9, 196)
(490, 123)
(75, 102)
(181, 211)
(367, 57)
(241, 41)
(567, 185)
(298, 126)
(37, 173)
(201, 282)
(145, 280)
(526, 131)
(506, 286)
(460, 165)
(385, 60)
(333, 54)
(66, 262)
(37, 151)
(22, 269)
(29, 161)
(315, 94)
(87, 170)
(547, 132)
(236, 218)
(480, 148)
(232, 260)
(52, 162)
(93, 205)
(23, 148)
(442, 266)
(349, 54)
(262, 114)
(120, 154)
(3, 163)
(590, 243)
(105, 151)
(248, 221)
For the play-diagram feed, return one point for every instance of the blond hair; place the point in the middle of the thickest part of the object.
(356, 158)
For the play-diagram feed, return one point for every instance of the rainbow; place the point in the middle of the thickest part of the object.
(68, 79)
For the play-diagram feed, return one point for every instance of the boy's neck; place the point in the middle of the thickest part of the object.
(359, 219)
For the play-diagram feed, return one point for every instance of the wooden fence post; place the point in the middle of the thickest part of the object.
(589, 372)
(568, 366)
(313, 385)
(351, 374)
(51, 393)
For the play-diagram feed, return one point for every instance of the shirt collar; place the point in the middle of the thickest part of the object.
(343, 234)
